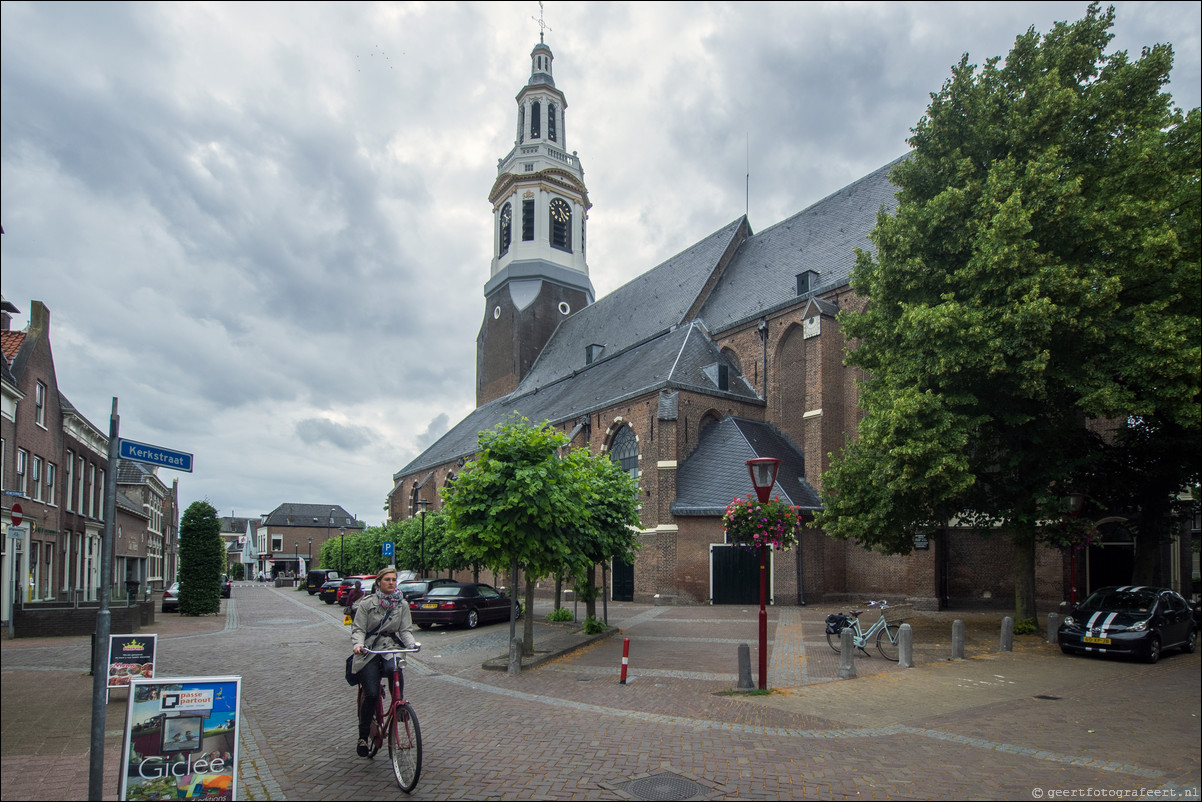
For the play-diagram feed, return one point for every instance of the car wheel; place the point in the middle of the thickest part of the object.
(1153, 650)
(424, 626)
(1191, 642)
(473, 619)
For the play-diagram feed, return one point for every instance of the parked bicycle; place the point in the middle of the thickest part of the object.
(397, 724)
(886, 632)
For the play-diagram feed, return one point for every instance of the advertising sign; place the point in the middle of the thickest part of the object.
(181, 739)
(130, 657)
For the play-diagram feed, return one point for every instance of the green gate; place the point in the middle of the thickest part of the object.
(735, 575)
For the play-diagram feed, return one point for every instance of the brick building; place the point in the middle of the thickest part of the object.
(728, 350)
(291, 533)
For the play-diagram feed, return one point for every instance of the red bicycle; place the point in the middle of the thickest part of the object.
(397, 724)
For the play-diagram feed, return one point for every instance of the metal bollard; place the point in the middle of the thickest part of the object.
(957, 639)
(905, 646)
(625, 660)
(745, 682)
(1053, 628)
(1007, 642)
(847, 654)
(515, 656)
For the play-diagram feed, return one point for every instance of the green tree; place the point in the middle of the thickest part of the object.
(201, 560)
(608, 530)
(1041, 270)
(515, 506)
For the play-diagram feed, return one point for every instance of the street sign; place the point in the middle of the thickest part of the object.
(387, 549)
(155, 455)
(16, 532)
(17, 514)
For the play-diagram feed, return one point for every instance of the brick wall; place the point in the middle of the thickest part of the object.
(36, 621)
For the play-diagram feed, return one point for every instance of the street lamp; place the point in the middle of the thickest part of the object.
(763, 477)
(423, 503)
(296, 557)
(329, 521)
(310, 552)
(342, 550)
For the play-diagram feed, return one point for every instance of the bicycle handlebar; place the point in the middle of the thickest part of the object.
(417, 647)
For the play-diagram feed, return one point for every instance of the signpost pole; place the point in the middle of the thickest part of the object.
(103, 617)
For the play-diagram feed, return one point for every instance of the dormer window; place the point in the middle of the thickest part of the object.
(593, 353)
(806, 282)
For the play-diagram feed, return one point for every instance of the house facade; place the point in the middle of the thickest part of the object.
(291, 536)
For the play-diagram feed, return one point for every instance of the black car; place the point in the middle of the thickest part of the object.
(466, 604)
(414, 588)
(226, 586)
(329, 591)
(318, 577)
(1130, 620)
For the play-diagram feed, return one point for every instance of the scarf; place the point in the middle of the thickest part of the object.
(389, 601)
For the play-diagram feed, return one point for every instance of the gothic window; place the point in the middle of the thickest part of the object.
(625, 451)
(561, 224)
(506, 228)
(527, 220)
(551, 130)
(536, 113)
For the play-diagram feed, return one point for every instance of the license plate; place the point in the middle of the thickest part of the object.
(1100, 641)
(435, 607)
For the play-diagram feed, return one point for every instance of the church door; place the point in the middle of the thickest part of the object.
(734, 575)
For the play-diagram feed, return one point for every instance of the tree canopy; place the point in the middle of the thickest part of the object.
(201, 560)
(1041, 271)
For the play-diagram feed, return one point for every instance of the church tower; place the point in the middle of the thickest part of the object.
(539, 203)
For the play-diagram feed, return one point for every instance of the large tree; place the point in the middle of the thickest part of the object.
(516, 505)
(1041, 270)
(201, 560)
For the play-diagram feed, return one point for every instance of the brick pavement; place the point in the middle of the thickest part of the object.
(969, 729)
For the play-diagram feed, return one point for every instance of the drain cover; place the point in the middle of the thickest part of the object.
(663, 786)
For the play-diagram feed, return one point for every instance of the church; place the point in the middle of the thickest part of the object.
(727, 351)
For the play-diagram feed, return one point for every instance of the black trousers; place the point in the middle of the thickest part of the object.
(369, 682)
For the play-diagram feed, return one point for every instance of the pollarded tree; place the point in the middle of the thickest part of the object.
(516, 505)
(201, 560)
(1041, 270)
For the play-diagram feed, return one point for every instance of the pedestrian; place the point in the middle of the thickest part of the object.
(381, 622)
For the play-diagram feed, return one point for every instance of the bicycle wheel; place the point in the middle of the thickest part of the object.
(405, 747)
(886, 641)
(834, 641)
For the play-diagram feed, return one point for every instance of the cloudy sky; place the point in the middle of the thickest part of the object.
(265, 229)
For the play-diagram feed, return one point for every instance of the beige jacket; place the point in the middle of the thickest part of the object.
(368, 616)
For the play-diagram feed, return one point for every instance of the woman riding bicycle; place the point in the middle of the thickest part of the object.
(381, 621)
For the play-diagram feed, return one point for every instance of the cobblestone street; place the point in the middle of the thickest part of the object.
(992, 726)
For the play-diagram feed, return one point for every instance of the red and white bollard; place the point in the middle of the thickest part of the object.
(625, 659)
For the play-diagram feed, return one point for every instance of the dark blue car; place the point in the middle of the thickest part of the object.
(1133, 620)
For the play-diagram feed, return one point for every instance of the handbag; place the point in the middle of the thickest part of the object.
(351, 677)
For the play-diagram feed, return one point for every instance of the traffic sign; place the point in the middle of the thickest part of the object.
(16, 532)
(155, 455)
(387, 549)
(17, 514)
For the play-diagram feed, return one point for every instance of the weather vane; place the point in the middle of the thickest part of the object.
(542, 26)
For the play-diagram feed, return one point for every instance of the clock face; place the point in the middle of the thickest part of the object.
(560, 211)
(506, 214)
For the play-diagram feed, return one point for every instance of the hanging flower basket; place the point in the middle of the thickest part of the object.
(752, 524)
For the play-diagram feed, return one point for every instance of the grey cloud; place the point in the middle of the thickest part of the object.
(315, 431)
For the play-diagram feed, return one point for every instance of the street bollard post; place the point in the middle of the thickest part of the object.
(847, 654)
(905, 646)
(957, 639)
(515, 656)
(745, 681)
(1053, 628)
(1007, 641)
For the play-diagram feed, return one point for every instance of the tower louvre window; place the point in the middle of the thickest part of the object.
(551, 128)
(536, 114)
(506, 228)
(527, 221)
(521, 124)
(561, 224)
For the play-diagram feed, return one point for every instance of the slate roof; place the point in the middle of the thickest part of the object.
(675, 360)
(645, 307)
(716, 472)
(822, 238)
(305, 515)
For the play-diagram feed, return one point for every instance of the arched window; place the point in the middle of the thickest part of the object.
(551, 128)
(625, 451)
(535, 120)
(521, 124)
(506, 228)
(561, 224)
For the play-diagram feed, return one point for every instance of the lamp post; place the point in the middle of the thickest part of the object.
(342, 550)
(310, 552)
(423, 503)
(296, 557)
(329, 521)
(763, 477)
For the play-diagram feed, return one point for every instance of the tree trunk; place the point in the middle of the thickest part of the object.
(528, 628)
(590, 605)
(558, 591)
(1024, 576)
